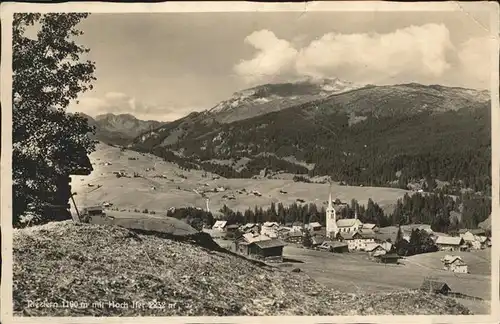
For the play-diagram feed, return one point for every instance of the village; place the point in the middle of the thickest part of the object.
(266, 241)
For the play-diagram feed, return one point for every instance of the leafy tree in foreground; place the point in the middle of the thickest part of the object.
(47, 76)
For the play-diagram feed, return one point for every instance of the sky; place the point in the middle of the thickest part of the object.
(163, 66)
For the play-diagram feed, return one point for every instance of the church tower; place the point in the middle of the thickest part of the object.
(331, 218)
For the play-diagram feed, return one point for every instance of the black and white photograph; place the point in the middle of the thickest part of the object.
(246, 159)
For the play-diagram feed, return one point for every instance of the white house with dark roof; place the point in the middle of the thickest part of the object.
(454, 263)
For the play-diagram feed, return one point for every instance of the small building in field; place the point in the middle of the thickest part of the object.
(333, 246)
(259, 247)
(449, 243)
(388, 258)
(454, 264)
(435, 287)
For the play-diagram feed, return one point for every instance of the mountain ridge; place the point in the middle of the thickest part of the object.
(399, 127)
(119, 129)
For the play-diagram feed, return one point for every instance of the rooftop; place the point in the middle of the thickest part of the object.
(269, 243)
(449, 240)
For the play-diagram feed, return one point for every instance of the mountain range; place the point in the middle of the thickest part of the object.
(385, 135)
(120, 129)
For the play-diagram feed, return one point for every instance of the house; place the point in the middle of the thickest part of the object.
(267, 250)
(449, 243)
(371, 227)
(250, 228)
(477, 231)
(349, 225)
(284, 229)
(259, 247)
(87, 213)
(375, 249)
(59, 207)
(315, 226)
(270, 229)
(240, 244)
(231, 229)
(271, 224)
(484, 241)
(219, 225)
(333, 246)
(467, 236)
(436, 287)
(356, 241)
(293, 237)
(435, 235)
(454, 264)
(385, 237)
(387, 246)
(420, 227)
(387, 258)
(317, 240)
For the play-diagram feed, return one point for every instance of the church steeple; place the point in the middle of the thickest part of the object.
(331, 216)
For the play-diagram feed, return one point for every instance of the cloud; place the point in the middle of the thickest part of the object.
(273, 56)
(474, 56)
(120, 103)
(414, 51)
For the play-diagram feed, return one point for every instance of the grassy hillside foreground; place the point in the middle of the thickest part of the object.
(96, 263)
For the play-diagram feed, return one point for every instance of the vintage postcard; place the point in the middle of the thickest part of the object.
(240, 162)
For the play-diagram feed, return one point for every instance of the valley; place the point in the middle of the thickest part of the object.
(160, 185)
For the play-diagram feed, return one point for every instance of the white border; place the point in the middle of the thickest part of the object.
(230, 6)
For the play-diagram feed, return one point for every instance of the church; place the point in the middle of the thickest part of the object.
(334, 226)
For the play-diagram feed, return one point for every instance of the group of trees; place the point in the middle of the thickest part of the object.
(46, 141)
(443, 212)
(420, 242)
(195, 217)
(305, 213)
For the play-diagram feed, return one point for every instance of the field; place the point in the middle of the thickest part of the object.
(354, 272)
(162, 185)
